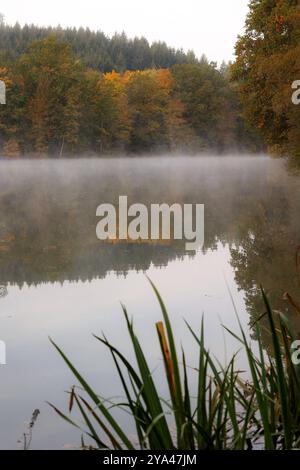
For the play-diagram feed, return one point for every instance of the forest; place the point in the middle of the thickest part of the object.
(95, 49)
(75, 92)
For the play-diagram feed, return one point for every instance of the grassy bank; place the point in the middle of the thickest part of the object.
(227, 411)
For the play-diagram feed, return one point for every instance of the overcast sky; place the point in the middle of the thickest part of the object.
(206, 26)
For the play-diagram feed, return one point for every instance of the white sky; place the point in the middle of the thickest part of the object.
(206, 26)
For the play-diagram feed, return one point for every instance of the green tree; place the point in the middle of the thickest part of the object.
(206, 96)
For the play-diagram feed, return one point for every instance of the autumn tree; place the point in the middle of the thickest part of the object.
(148, 102)
(51, 78)
(11, 130)
(267, 63)
(105, 120)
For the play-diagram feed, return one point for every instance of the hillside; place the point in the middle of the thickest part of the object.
(96, 50)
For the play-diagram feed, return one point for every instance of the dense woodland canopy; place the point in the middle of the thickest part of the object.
(268, 62)
(95, 49)
(71, 92)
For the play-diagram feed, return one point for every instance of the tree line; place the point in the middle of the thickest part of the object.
(57, 105)
(94, 48)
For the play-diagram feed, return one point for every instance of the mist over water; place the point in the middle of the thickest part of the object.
(50, 206)
(61, 281)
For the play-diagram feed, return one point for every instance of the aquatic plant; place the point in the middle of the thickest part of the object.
(226, 412)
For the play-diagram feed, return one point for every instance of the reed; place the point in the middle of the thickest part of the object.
(226, 412)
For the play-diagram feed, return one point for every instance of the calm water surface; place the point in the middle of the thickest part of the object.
(58, 280)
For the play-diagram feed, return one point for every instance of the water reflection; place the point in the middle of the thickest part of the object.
(62, 281)
(47, 227)
(3, 291)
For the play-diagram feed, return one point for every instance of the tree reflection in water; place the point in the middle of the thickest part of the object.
(48, 219)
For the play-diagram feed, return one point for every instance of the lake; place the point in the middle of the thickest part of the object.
(58, 280)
